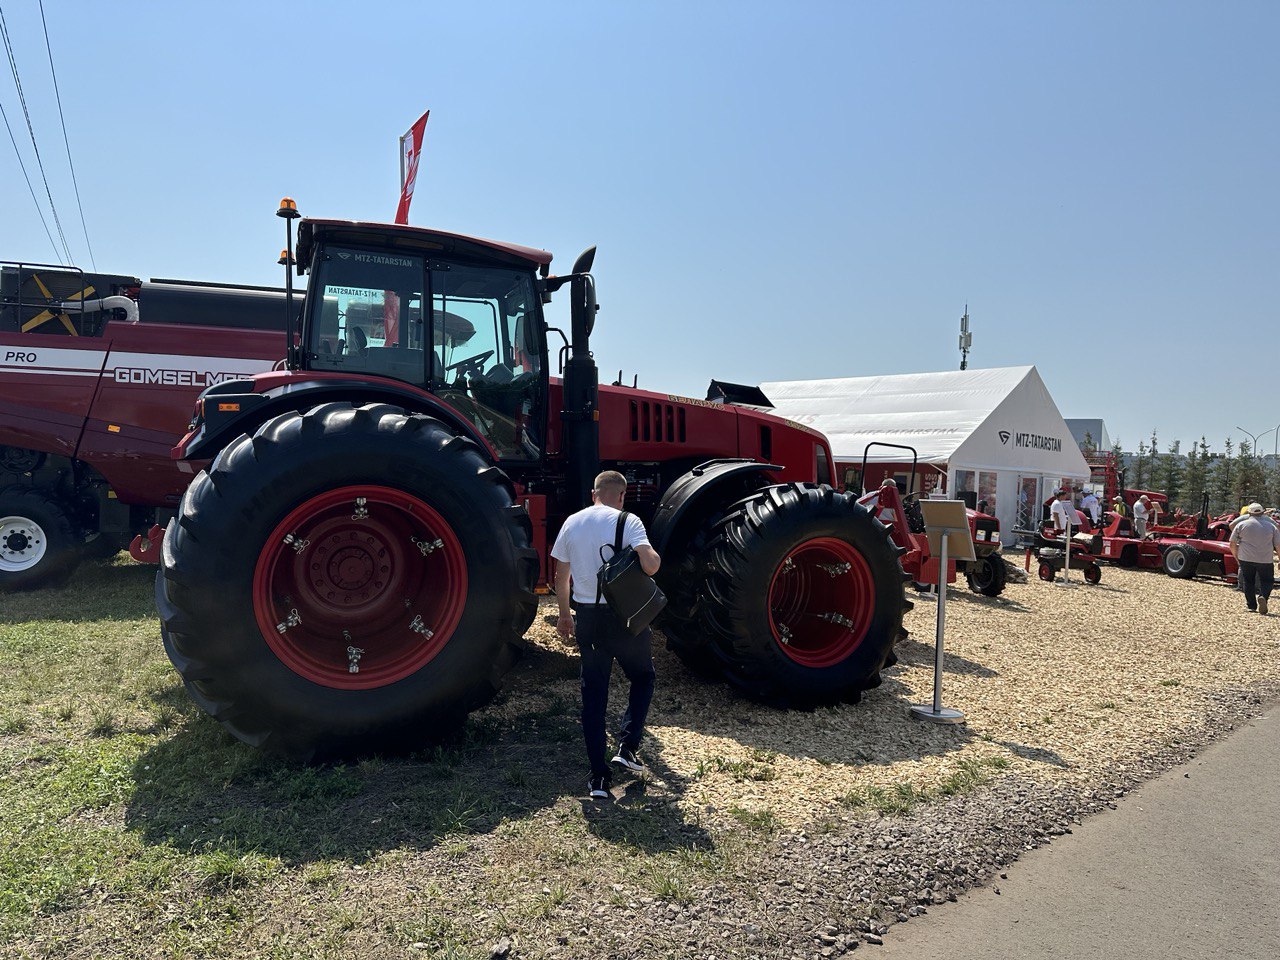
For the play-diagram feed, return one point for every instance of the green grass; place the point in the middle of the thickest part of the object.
(901, 798)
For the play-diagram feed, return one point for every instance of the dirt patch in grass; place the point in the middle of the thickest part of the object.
(139, 829)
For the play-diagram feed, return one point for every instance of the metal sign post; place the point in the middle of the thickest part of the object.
(947, 526)
(1066, 545)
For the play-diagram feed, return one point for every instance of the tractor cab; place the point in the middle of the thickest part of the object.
(454, 316)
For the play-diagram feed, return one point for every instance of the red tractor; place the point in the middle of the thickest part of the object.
(356, 567)
(1180, 549)
(986, 575)
(97, 376)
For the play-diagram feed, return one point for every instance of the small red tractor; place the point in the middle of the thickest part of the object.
(1180, 549)
(986, 575)
(98, 373)
(355, 567)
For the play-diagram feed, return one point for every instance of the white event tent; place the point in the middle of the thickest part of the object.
(996, 432)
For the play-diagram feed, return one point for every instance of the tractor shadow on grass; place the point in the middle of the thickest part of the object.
(202, 790)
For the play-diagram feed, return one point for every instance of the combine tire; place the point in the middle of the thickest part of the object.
(988, 575)
(38, 546)
(1180, 561)
(345, 582)
(803, 596)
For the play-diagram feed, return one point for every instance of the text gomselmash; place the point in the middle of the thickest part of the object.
(142, 376)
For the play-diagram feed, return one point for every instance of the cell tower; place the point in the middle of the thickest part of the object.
(966, 339)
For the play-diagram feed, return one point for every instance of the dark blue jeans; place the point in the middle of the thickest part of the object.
(1258, 579)
(602, 639)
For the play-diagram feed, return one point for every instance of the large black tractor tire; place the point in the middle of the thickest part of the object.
(38, 545)
(988, 575)
(1180, 561)
(680, 622)
(391, 553)
(803, 596)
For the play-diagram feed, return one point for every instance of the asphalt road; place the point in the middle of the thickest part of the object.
(1187, 866)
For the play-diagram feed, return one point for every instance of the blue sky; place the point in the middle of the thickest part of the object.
(777, 192)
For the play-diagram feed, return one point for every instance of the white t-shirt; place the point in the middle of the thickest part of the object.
(1139, 510)
(1064, 512)
(1090, 506)
(580, 539)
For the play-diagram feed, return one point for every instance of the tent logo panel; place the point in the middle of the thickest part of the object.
(1033, 441)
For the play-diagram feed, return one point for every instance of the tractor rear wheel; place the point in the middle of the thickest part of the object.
(988, 575)
(38, 546)
(803, 596)
(346, 581)
(1180, 561)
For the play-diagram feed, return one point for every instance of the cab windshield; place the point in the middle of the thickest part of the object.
(479, 349)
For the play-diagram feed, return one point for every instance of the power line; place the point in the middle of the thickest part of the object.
(22, 99)
(57, 256)
(65, 140)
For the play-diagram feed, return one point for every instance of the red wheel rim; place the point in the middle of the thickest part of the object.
(369, 578)
(821, 600)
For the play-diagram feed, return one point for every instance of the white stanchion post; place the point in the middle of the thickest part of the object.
(935, 711)
(1066, 545)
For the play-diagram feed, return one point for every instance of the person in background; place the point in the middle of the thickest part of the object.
(1063, 512)
(1090, 505)
(601, 636)
(1253, 542)
(1141, 507)
(1118, 507)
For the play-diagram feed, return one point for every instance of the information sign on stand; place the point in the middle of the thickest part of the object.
(947, 527)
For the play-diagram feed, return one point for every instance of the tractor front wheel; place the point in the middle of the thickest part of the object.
(1047, 573)
(346, 581)
(803, 596)
(988, 575)
(1180, 561)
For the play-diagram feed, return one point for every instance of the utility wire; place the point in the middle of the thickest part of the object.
(65, 140)
(57, 256)
(13, 66)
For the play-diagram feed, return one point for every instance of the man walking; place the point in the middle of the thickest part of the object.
(601, 636)
(1253, 541)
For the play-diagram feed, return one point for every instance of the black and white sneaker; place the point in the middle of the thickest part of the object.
(598, 787)
(627, 758)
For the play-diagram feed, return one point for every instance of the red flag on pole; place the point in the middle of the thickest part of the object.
(410, 152)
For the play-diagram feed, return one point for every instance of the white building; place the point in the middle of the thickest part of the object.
(995, 432)
(1091, 428)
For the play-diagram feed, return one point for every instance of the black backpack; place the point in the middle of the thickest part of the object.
(630, 592)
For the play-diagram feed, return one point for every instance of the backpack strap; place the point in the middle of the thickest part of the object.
(617, 549)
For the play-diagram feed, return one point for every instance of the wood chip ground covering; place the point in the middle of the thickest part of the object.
(758, 833)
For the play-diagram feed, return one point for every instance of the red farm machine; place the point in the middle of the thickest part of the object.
(98, 373)
(356, 566)
(901, 513)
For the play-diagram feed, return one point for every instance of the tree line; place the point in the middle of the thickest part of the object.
(1232, 478)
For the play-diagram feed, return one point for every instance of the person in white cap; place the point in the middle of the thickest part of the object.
(1253, 542)
(1140, 509)
(1091, 506)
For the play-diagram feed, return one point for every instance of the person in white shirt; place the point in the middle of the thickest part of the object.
(1253, 541)
(601, 636)
(1141, 508)
(1063, 512)
(1091, 506)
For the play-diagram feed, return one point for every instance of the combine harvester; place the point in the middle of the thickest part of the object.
(97, 376)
